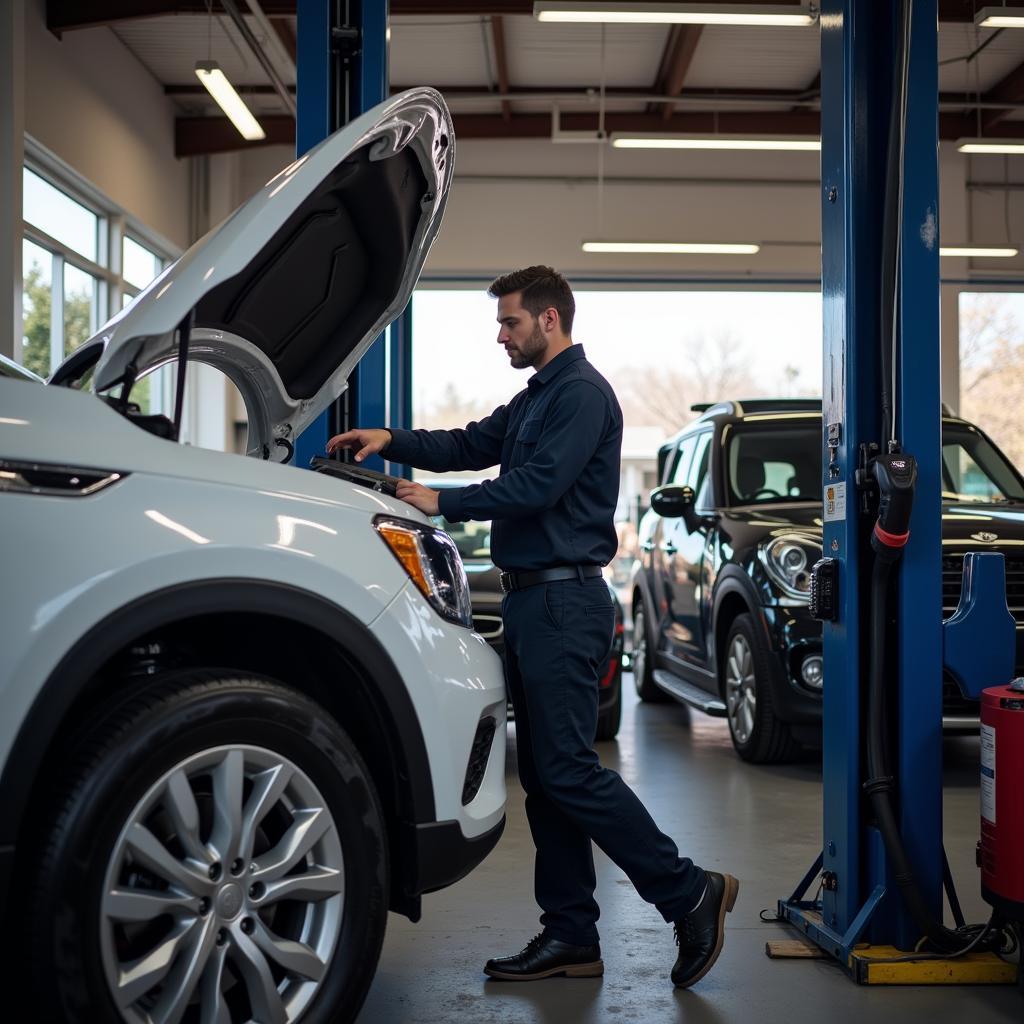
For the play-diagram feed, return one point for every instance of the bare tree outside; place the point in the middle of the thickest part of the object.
(992, 370)
(710, 369)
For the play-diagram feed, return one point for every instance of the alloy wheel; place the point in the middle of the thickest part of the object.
(639, 645)
(224, 893)
(740, 688)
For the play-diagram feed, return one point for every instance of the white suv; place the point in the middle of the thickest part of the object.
(243, 712)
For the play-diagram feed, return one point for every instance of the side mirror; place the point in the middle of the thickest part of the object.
(672, 501)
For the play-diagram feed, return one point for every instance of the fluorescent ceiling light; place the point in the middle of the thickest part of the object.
(675, 13)
(217, 85)
(999, 17)
(990, 145)
(987, 251)
(698, 248)
(653, 140)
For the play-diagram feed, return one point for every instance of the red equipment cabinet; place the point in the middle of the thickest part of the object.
(1002, 799)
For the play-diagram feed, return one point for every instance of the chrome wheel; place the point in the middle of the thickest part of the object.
(224, 893)
(740, 688)
(639, 645)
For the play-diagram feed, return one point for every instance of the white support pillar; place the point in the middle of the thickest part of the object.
(954, 229)
(12, 155)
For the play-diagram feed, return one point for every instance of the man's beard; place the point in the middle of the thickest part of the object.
(527, 354)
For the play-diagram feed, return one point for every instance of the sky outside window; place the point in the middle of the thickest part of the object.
(661, 350)
(60, 216)
(139, 265)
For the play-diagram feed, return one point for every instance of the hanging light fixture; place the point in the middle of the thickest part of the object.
(979, 251)
(665, 140)
(990, 145)
(218, 86)
(683, 248)
(999, 17)
(633, 13)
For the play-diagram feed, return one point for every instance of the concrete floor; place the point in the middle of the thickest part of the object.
(761, 824)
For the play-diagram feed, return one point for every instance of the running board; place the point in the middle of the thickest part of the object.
(689, 694)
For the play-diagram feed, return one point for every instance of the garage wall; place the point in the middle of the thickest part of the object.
(521, 202)
(89, 101)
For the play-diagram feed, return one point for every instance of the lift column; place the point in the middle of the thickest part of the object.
(859, 46)
(343, 71)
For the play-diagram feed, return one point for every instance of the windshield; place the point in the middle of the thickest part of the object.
(473, 539)
(774, 460)
(778, 460)
(973, 469)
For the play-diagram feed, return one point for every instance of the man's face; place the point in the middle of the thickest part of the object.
(520, 332)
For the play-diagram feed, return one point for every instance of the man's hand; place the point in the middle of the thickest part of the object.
(369, 442)
(419, 497)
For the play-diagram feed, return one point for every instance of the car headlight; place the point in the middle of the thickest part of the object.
(786, 560)
(432, 561)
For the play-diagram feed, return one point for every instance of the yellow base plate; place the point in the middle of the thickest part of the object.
(868, 967)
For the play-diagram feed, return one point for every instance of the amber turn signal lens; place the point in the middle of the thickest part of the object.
(407, 550)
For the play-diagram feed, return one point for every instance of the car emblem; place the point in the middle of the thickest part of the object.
(985, 537)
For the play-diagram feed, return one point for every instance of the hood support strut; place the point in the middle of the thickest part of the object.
(184, 330)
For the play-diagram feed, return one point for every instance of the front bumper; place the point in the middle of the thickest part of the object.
(792, 636)
(444, 854)
(455, 681)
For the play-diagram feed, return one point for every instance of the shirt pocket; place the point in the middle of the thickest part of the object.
(529, 432)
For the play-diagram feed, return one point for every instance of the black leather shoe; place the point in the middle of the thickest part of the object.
(545, 957)
(701, 934)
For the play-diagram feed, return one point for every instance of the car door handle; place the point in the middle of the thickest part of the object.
(669, 549)
(648, 545)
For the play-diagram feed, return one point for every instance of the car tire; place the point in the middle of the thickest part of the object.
(609, 720)
(643, 658)
(133, 868)
(758, 734)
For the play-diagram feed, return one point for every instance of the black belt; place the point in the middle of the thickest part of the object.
(518, 580)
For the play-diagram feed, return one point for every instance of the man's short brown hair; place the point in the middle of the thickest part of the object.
(542, 288)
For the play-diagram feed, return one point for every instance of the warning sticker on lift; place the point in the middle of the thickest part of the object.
(988, 773)
(835, 503)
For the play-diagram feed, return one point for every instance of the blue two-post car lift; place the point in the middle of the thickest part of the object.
(860, 916)
(342, 67)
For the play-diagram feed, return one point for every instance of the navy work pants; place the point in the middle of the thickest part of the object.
(557, 635)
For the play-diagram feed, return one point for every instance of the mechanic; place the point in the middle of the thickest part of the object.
(552, 507)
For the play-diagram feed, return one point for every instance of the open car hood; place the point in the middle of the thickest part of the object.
(292, 289)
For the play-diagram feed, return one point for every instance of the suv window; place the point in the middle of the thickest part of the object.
(698, 477)
(775, 461)
(682, 465)
(974, 470)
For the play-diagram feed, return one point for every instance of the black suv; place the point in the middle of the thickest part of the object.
(720, 592)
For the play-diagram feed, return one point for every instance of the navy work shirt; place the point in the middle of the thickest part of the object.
(558, 443)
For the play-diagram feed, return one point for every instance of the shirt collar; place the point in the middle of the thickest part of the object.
(559, 363)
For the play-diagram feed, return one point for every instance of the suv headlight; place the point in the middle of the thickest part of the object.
(433, 564)
(786, 561)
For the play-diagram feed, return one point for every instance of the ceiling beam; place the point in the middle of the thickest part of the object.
(65, 15)
(194, 136)
(677, 63)
(501, 62)
(200, 136)
(1007, 90)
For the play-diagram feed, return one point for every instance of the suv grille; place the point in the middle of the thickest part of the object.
(952, 574)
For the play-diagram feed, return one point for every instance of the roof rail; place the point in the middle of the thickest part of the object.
(759, 405)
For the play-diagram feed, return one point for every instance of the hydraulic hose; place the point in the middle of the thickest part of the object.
(879, 783)
(896, 476)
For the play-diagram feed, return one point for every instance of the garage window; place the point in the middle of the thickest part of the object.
(82, 260)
